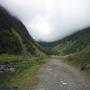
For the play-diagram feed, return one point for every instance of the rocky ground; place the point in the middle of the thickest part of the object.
(57, 75)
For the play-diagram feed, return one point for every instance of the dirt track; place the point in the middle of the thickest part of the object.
(57, 75)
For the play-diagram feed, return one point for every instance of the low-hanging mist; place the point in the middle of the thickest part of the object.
(50, 20)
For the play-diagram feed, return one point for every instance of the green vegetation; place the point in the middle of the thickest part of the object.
(73, 49)
(9, 42)
(14, 37)
(76, 49)
(26, 69)
(20, 55)
(81, 59)
(74, 43)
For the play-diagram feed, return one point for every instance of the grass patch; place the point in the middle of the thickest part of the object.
(80, 60)
(25, 79)
(26, 70)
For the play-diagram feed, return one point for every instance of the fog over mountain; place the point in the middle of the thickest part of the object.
(50, 20)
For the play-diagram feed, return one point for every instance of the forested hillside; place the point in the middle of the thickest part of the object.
(14, 37)
(74, 43)
(76, 48)
(20, 55)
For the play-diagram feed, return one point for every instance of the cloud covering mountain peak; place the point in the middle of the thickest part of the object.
(50, 20)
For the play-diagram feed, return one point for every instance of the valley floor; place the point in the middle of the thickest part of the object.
(57, 75)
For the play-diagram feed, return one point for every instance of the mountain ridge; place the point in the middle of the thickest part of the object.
(14, 29)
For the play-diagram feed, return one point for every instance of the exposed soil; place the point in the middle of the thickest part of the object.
(57, 75)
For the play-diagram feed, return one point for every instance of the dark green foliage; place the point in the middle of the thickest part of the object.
(14, 37)
(22, 63)
(17, 50)
(74, 43)
(76, 48)
(81, 59)
(47, 47)
(9, 42)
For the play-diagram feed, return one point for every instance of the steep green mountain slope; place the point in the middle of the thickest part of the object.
(14, 38)
(68, 45)
(74, 43)
(20, 55)
(76, 48)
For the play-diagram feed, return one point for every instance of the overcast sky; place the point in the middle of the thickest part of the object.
(50, 20)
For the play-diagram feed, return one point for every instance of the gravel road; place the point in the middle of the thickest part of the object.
(57, 75)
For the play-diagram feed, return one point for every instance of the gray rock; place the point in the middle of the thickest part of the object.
(12, 69)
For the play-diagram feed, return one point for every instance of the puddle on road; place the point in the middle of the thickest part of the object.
(63, 82)
(42, 89)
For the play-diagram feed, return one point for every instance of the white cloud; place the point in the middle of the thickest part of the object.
(50, 20)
